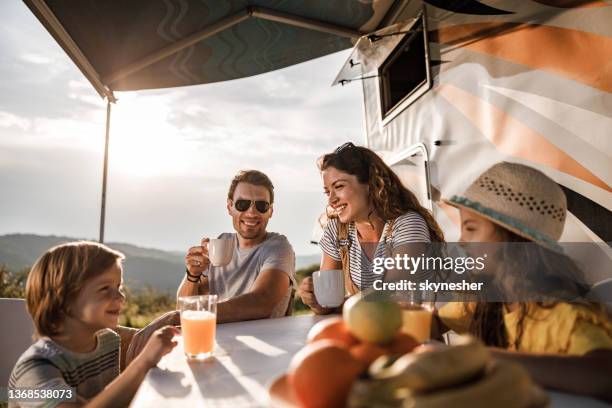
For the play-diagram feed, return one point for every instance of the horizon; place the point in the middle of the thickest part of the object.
(178, 251)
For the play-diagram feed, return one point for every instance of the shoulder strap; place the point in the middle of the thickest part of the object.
(388, 232)
(344, 246)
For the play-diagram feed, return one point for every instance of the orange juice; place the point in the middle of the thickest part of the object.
(198, 328)
(416, 322)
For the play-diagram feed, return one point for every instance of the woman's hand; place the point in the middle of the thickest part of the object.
(306, 292)
(158, 345)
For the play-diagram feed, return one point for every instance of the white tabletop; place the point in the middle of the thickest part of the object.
(248, 356)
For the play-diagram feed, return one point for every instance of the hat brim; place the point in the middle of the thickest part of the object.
(504, 221)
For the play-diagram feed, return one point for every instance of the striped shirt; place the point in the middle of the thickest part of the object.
(410, 227)
(47, 365)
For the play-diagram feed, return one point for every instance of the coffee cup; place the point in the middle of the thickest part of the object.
(220, 251)
(329, 287)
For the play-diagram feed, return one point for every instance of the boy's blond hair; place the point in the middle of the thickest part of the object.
(57, 277)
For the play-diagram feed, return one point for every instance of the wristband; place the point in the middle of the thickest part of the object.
(193, 278)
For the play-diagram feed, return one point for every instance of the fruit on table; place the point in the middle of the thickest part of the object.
(366, 353)
(369, 352)
(373, 321)
(368, 393)
(505, 384)
(332, 328)
(402, 343)
(322, 373)
(437, 377)
(434, 368)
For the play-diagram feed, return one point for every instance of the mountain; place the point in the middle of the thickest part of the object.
(143, 266)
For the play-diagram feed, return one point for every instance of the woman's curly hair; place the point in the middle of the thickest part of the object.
(388, 195)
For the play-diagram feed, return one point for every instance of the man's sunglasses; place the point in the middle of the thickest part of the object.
(260, 205)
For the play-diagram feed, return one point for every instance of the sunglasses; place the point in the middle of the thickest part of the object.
(345, 146)
(260, 205)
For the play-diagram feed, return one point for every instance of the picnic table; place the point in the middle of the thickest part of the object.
(248, 357)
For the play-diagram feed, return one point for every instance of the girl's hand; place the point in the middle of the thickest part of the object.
(159, 345)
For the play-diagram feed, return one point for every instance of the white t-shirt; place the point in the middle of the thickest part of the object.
(237, 277)
(410, 227)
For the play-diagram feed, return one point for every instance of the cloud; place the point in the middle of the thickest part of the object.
(81, 90)
(36, 59)
(8, 120)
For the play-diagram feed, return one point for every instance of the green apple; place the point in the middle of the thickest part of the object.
(374, 321)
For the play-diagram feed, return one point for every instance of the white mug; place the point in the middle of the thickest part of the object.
(329, 287)
(220, 251)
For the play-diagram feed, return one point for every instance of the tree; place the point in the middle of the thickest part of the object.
(12, 284)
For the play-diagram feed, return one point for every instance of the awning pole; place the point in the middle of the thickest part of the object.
(105, 171)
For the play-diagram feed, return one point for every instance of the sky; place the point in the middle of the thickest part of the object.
(173, 152)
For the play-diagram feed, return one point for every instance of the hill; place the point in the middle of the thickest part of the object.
(160, 269)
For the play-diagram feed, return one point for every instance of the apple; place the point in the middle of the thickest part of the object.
(374, 321)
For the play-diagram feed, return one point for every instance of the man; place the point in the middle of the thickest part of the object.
(257, 282)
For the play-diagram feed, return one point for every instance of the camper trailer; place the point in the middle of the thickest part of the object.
(450, 88)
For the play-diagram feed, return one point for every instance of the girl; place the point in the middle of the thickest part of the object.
(74, 295)
(566, 346)
(369, 208)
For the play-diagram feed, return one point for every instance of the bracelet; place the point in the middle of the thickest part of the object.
(193, 278)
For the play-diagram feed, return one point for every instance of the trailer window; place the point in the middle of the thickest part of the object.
(404, 76)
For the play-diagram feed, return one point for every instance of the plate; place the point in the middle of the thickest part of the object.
(281, 394)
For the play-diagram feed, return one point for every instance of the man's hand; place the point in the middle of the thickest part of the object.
(142, 336)
(158, 345)
(196, 259)
(306, 292)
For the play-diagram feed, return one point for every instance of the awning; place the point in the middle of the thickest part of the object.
(147, 44)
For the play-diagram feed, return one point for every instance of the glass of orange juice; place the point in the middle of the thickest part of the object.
(198, 325)
(416, 319)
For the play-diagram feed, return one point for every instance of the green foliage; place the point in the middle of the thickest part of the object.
(12, 284)
(143, 306)
(298, 307)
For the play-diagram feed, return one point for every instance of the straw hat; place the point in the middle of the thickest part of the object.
(519, 198)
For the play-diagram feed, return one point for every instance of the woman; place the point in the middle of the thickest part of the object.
(565, 345)
(371, 215)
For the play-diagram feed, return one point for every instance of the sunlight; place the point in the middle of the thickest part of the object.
(143, 141)
(261, 346)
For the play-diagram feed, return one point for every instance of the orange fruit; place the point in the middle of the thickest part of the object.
(322, 373)
(366, 353)
(332, 328)
(401, 344)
